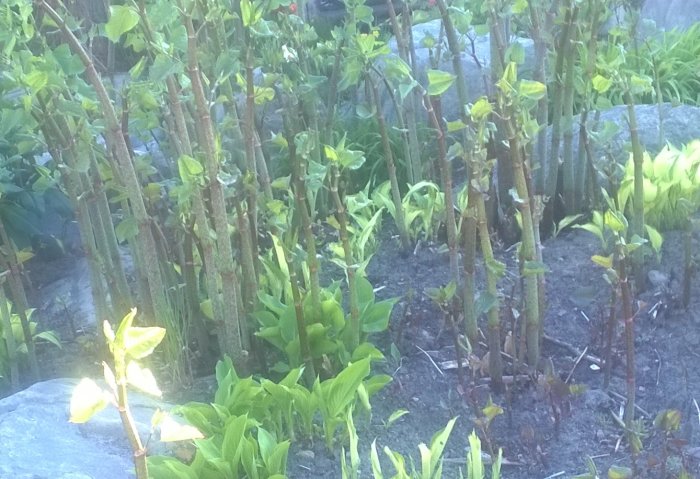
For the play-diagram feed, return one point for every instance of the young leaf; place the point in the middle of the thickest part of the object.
(439, 81)
(122, 19)
(87, 400)
(140, 342)
(604, 261)
(142, 379)
(173, 431)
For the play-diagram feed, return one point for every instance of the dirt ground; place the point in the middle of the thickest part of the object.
(534, 444)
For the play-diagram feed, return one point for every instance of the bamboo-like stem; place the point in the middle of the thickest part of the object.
(581, 197)
(628, 317)
(638, 196)
(568, 168)
(350, 265)
(406, 114)
(537, 29)
(446, 176)
(80, 194)
(528, 245)
(232, 336)
(116, 140)
(128, 422)
(469, 226)
(309, 370)
(11, 264)
(299, 171)
(563, 51)
(390, 166)
(251, 183)
(494, 315)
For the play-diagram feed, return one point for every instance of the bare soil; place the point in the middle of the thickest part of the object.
(534, 444)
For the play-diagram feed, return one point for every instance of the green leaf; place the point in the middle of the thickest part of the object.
(439, 81)
(127, 229)
(36, 80)
(604, 261)
(518, 7)
(533, 90)
(485, 303)
(189, 168)
(481, 109)
(619, 472)
(340, 391)
(534, 267)
(601, 84)
(655, 238)
(172, 431)
(87, 400)
(140, 342)
(122, 19)
(395, 416)
(142, 379)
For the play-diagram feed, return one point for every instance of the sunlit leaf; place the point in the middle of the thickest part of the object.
(87, 400)
(142, 379)
(173, 431)
(140, 342)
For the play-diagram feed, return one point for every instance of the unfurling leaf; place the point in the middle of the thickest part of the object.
(481, 109)
(87, 400)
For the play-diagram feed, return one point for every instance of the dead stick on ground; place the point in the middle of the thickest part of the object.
(576, 363)
(588, 357)
(431, 360)
(622, 398)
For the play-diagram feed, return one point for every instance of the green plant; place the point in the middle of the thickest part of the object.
(423, 206)
(13, 348)
(614, 233)
(365, 220)
(327, 330)
(431, 458)
(128, 345)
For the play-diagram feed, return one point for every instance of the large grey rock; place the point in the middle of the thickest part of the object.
(681, 124)
(475, 60)
(38, 442)
(669, 14)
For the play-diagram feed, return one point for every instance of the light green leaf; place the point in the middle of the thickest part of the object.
(140, 342)
(601, 84)
(87, 400)
(604, 261)
(439, 81)
(533, 90)
(481, 109)
(173, 431)
(122, 19)
(142, 379)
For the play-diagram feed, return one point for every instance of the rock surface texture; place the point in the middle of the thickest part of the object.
(669, 14)
(38, 442)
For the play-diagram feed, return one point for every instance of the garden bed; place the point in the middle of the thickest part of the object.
(534, 444)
